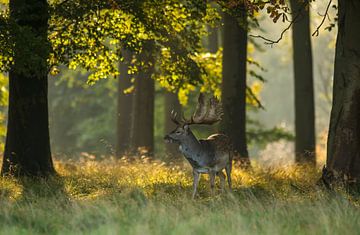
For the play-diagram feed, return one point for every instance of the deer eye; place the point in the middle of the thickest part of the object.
(178, 132)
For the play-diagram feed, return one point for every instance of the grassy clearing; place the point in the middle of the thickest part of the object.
(150, 197)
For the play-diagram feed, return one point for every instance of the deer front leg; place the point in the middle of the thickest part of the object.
(196, 182)
(212, 182)
(222, 180)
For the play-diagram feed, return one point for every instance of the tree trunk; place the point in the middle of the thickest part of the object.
(27, 147)
(143, 108)
(213, 40)
(343, 153)
(234, 83)
(304, 86)
(171, 103)
(124, 107)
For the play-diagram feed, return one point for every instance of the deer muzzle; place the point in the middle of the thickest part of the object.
(168, 139)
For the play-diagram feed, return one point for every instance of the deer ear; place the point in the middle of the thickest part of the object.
(186, 127)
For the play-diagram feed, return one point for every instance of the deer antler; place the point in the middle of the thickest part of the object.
(206, 112)
(173, 117)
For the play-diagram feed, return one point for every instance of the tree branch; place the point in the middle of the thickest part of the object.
(253, 96)
(316, 32)
(270, 41)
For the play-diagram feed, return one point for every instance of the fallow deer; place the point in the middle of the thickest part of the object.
(206, 156)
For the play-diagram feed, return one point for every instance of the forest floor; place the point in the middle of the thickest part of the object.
(150, 197)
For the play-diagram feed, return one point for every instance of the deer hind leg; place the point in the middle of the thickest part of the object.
(212, 182)
(195, 183)
(222, 180)
(228, 174)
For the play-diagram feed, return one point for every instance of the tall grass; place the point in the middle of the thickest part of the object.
(151, 197)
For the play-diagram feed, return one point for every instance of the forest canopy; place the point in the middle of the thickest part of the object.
(89, 34)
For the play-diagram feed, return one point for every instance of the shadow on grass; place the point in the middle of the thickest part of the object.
(52, 188)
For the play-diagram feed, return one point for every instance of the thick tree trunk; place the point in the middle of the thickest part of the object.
(124, 107)
(143, 108)
(234, 83)
(27, 147)
(304, 86)
(343, 156)
(171, 103)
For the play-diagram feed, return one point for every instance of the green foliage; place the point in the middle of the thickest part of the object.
(89, 34)
(149, 197)
(90, 114)
(5, 49)
(211, 79)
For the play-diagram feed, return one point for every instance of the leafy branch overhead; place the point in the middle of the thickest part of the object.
(89, 34)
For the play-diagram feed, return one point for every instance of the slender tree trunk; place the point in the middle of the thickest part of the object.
(304, 86)
(234, 83)
(213, 40)
(343, 155)
(27, 147)
(171, 103)
(143, 122)
(124, 107)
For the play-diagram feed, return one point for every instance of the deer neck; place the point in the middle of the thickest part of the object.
(191, 147)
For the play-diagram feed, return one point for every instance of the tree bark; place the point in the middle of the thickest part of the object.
(343, 153)
(124, 107)
(171, 103)
(234, 83)
(143, 108)
(27, 147)
(304, 86)
(213, 40)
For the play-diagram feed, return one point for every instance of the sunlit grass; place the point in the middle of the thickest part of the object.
(150, 197)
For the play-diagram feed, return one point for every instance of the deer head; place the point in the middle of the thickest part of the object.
(207, 113)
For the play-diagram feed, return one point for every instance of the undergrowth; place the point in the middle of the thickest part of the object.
(150, 197)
